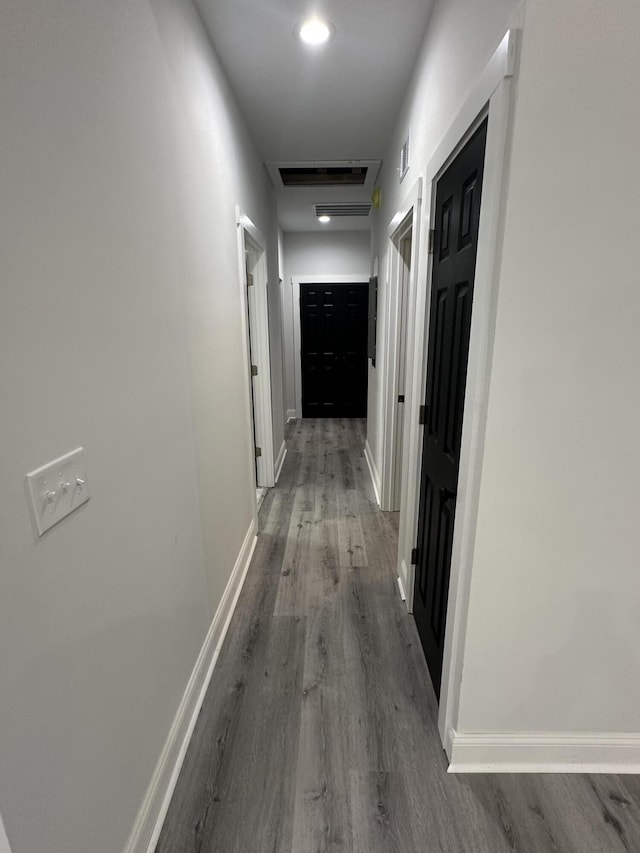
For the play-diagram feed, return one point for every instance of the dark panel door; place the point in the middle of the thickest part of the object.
(457, 215)
(333, 326)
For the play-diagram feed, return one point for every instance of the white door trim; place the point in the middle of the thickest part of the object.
(296, 281)
(406, 219)
(492, 96)
(252, 244)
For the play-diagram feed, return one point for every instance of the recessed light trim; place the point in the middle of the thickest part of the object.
(315, 31)
(324, 219)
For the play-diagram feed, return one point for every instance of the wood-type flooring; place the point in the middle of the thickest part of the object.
(318, 733)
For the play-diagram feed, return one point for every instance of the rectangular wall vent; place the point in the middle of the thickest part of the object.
(343, 209)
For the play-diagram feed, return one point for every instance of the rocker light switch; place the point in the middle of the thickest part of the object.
(57, 489)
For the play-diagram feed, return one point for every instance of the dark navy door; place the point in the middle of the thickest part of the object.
(457, 216)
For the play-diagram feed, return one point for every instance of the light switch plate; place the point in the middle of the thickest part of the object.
(57, 489)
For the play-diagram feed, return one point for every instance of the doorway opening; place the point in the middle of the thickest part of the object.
(403, 260)
(253, 260)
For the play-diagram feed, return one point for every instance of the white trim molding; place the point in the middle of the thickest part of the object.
(403, 575)
(291, 415)
(543, 753)
(296, 281)
(373, 471)
(282, 453)
(495, 97)
(146, 831)
(4, 841)
(401, 588)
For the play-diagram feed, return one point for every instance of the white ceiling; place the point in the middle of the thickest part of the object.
(335, 102)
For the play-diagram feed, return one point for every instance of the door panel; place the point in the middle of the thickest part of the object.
(457, 216)
(333, 326)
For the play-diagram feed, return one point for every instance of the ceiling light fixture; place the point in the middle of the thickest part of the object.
(324, 219)
(315, 31)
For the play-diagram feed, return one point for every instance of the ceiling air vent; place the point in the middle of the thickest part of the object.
(343, 209)
(293, 174)
(323, 176)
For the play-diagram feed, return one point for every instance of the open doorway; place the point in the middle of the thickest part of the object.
(403, 248)
(253, 261)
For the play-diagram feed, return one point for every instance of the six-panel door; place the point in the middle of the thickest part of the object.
(333, 326)
(457, 215)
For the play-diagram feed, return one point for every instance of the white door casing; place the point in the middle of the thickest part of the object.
(252, 258)
(492, 97)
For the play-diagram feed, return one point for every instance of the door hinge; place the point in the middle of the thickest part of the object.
(249, 279)
(414, 556)
(254, 369)
(432, 240)
(258, 451)
(422, 417)
(401, 398)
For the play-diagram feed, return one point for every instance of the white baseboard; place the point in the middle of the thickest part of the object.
(291, 415)
(280, 460)
(4, 841)
(543, 753)
(403, 594)
(373, 471)
(146, 830)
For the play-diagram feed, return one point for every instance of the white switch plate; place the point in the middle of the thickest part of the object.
(57, 489)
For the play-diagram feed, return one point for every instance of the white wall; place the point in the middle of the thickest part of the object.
(307, 253)
(123, 158)
(553, 638)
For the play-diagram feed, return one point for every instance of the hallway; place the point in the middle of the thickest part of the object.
(319, 728)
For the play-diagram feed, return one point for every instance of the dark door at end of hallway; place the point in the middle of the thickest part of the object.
(457, 217)
(333, 332)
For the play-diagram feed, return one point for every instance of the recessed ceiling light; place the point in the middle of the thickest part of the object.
(315, 31)
(324, 219)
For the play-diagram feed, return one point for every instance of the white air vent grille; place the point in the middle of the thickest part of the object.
(343, 209)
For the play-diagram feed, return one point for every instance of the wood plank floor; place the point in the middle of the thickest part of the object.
(319, 730)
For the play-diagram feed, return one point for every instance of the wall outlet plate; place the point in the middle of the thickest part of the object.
(57, 489)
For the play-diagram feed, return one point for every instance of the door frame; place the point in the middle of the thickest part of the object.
(252, 245)
(407, 218)
(296, 281)
(492, 97)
